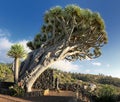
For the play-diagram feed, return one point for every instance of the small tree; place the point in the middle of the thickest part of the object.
(16, 51)
(69, 33)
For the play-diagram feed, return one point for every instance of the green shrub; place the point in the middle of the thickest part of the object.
(16, 91)
(106, 94)
(6, 73)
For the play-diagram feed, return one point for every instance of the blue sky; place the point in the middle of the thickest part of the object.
(20, 20)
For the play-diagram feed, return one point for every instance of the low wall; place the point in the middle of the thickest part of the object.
(44, 81)
(6, 85)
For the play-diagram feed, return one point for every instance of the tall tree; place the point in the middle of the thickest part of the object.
(16, 51)
(69, 33)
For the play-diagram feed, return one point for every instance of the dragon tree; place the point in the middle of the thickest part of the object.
(16, 51)
(69, 33)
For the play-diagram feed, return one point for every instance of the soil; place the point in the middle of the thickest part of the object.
(6, 98)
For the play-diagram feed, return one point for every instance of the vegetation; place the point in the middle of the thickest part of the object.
(69, 33)
(16, 91)
(97, 79)
(109, 92)
(6, 73)
(69, 81)
(16, 51)
(80, 28)
(106, 94)
(106, 91)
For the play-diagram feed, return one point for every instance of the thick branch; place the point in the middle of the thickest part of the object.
(72, 53)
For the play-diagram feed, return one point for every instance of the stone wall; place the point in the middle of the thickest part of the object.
(4, 87)
(47, 81)
(44, 81)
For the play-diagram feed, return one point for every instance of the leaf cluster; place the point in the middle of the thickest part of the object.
(16, 51)
(73, 26)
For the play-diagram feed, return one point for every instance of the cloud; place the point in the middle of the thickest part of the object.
(96, 64)
(5, 45)
(66, 66)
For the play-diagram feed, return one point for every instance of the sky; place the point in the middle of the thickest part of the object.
(20, 21)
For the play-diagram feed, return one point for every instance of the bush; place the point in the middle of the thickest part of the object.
(16, 91)
(6, 73)
(106, 94)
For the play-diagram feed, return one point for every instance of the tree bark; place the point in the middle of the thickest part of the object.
(40, 60)
(16, 69)
(32, 80)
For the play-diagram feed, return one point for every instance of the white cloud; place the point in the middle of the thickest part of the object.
(66, 66)
(96, 64)
(5, 45)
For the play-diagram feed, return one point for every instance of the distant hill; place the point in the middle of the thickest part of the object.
(71, 81)
(99, 79)
(100, 87)
(66, 77)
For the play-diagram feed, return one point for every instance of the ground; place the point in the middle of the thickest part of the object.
(6, 98)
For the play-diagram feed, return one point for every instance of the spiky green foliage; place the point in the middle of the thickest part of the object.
(79, 28)
(16, 51)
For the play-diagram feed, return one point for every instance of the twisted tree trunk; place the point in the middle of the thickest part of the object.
(38, 61)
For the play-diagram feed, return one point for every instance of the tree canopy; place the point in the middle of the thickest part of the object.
(69, 33)
(81, 29)
(16, 51)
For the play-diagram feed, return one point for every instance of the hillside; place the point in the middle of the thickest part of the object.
(6, 73)
(98, 79)
(100, 86)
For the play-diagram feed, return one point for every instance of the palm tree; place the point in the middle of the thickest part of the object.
(16, 51)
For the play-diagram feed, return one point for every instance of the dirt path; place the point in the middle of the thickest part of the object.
(52, 99)
(6, 98)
